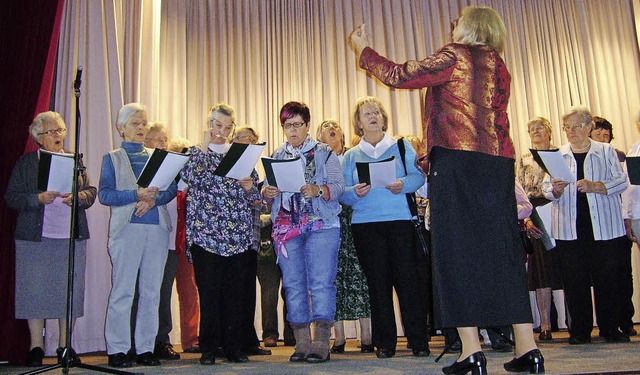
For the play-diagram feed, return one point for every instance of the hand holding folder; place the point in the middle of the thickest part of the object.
(378, 173)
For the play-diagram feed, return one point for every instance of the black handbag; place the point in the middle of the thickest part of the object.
(423, 236)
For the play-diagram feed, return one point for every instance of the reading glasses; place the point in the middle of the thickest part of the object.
(289, 125)
(54, 131)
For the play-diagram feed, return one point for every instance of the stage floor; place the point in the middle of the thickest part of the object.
(598, 357)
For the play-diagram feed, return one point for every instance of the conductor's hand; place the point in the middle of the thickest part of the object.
(47, 197)
(143, 207)
(359, 38)
(362, 189)
(396, 187)
(269, 192)
(246, 183)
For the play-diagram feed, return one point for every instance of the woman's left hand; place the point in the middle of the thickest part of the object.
(396, 187)
(586, 186)
(246, 183)
(67, 199)
(310, 191)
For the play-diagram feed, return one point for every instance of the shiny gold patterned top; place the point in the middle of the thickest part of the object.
(530, 175)
(465, 107)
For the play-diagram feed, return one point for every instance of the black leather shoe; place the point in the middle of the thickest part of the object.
(317, 358)
(165, 351)
(421, 353)
(532, 361)
(256, 350)
(501, 345)
(476, 363)
(337, 349)
(208, 358)
(119, 360)
(72, 357)
(193, 349)
(298, 357)
(367, 348)
(629, 331)
(576, 340)
(545, 335)
(385, 353)
(237, 357)
(616, 336)
(147, 359)
(34, 358)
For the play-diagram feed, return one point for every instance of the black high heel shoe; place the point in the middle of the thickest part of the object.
(338, 349)
(476, 363)
(531, 361)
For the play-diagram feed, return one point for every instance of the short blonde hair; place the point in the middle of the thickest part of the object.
(542, 121)
(248, 129)
(480, 25)
(178, 144)
(356, 113)
(38, 123)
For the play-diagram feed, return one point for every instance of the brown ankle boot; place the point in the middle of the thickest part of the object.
(302, 333)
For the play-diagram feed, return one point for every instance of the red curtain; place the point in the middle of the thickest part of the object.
(30, 31)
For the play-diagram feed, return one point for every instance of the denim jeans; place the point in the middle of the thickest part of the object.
(308, 275)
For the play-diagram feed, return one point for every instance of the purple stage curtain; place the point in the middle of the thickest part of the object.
(30, 30)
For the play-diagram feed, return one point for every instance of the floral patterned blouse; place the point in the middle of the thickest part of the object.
(530, 175)
(219, 211)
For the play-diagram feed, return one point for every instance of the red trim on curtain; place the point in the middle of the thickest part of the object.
(30, 32)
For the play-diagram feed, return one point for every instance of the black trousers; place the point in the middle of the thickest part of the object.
(221, 282)
(623, 251)
(387, 254)
(585, 262)
(249, 336)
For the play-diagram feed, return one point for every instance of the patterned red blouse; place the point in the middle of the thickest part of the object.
(465, 106)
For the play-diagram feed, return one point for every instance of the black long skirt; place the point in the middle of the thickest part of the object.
(479, 276)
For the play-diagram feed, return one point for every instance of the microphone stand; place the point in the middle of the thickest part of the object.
(67, 361)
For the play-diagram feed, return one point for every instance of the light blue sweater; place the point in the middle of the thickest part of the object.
(380, 204)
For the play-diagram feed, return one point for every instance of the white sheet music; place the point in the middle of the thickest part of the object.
(289, 176)
(167, 172)
(245, 164)
(556, 166)
(61, 173)
(382, 173)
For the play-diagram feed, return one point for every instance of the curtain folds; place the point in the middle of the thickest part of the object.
(181, 57)
(30, 31)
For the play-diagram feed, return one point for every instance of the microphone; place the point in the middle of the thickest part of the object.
(77, 82)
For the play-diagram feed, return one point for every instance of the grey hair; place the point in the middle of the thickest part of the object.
(177, 144)
(38, 123)
(581, 111)
(127, 111)
(225, 109)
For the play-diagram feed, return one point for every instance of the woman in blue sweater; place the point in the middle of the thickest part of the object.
(139, 229)
(383, 233)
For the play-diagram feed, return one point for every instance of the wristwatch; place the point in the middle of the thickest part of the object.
(320, 192)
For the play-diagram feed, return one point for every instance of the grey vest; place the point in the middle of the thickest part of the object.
(126, 180)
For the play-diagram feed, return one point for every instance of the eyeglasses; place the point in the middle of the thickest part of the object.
(289, 125)
(215, 123)
(246, 137)
(58, 131)
(567, 127)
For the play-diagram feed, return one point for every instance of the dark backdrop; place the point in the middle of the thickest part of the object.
(29, 33)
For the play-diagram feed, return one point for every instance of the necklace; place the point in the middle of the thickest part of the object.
(581, 150)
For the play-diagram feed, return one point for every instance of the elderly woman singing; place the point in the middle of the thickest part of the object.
(138, 241)
(42, 239)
